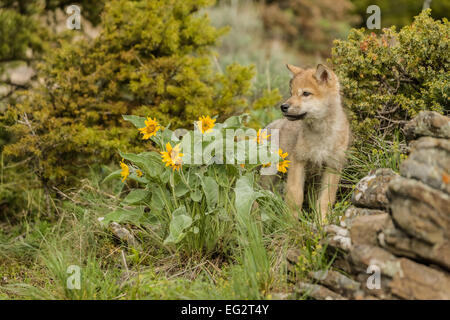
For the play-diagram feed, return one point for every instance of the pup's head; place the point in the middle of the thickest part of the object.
(313, 91)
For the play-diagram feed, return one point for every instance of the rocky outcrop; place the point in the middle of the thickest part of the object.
(394, 242)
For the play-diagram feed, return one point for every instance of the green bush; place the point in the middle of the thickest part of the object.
(388, 79)
(152, 58)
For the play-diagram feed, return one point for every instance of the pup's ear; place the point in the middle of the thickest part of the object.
(323, 74)
(295, 70)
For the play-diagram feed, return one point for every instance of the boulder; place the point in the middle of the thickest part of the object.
(365, 229)
(353, 212)
(429, 162)
(416, 281)
(428, 123)
(401, 244)
(419, 210)
(317, 292)
(370, 192)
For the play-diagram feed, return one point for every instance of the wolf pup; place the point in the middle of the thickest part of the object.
(315, 132)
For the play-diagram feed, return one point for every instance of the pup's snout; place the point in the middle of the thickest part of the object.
(284, 107)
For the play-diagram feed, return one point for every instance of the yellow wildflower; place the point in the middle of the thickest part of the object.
(206, 124)
(139, 173)
(262, 135)
(283, 165)
(172, 157)
(125, 171)
(282, 155)
(150, 129)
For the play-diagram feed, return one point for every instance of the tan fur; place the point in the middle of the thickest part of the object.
(317, 142)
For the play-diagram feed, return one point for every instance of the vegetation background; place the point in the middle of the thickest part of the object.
(62, 96)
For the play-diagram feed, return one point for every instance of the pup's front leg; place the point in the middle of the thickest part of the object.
(328, 189)
(294, 186)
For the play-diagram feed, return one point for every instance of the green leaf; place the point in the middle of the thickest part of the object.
(196, 195)
(136, 196)
(139, 122)
(211, 191)
(245, 196)
(157, 202)
(149, 162)
(133, 216)
(180, 222)
(236, 122)
(181, 189)
(113, 175)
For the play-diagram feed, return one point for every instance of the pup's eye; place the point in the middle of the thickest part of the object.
(306, 94)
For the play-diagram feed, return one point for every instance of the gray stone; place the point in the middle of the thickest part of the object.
(353, 212)
(416, 281)
(365, 229)
(336, 281)
(428, 123)
(370, 192)
(401, 244)
(317, 292)
(419, 210)
(429, 162)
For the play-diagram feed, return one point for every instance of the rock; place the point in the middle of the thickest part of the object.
(429, 162)
(421, 211)
(338, 238)
(317, 292)
(373, 292)
(123, 234)
(370, 192)
(401, 244)
(428, 123)
(336, 281)
(363, 256)
(405, 278)
(292, 255)
(416, 281)
(365, 229)
(352, 212)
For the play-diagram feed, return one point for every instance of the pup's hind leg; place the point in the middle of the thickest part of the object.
(328, 189)
(294, 186)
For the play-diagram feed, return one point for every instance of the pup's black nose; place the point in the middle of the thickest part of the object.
(284, 107)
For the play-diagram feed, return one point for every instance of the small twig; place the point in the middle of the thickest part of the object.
(125, 263)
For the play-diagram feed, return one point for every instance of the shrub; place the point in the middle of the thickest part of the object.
(151, 57)
(388, 79)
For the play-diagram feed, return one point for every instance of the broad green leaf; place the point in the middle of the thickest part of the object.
(136, 196)
(179, 223)
(113, 175)
(181, 189)
(211, 191)
(133, 216)
(157, 201)
(245, 196)
(235, 122)
(149, 162)
(139, 122)
(196, 195)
